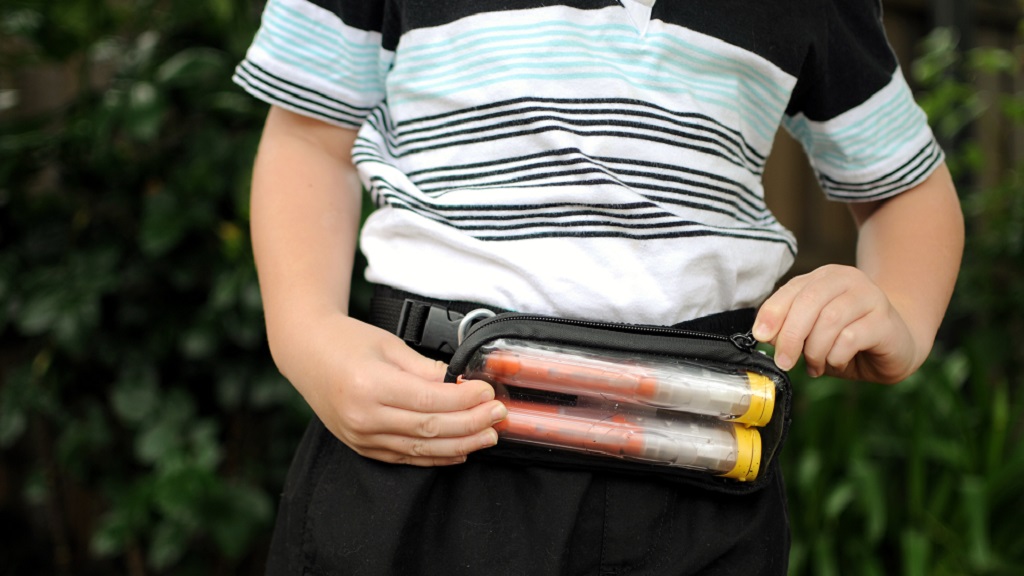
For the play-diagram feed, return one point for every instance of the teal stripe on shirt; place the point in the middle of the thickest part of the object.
(358, 80)
(639, 61)
(760, 123)
(307, 27)
(319, 47)
(607, 40)
(631, 63)
(895, 110)
(308, 45)
(890, 130)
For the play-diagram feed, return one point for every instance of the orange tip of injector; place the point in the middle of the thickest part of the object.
(502, 364)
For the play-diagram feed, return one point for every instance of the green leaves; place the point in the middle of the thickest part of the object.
(167, 217)
(137, 396)
(923, 478)
(905, 479)
(192, 67)
(17, 402)
(145, 112)
(64, 299)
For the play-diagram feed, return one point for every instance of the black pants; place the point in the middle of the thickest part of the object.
(343, 514)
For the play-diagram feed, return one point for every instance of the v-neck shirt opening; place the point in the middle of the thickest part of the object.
(639, 12)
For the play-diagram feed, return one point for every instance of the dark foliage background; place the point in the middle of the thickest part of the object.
(145, 431)
(144, 427)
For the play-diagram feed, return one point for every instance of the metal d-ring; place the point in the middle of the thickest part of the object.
(472, 317)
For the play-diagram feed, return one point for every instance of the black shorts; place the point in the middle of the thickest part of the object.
(343, 514)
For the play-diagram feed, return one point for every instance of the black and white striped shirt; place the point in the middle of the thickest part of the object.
(592, 158)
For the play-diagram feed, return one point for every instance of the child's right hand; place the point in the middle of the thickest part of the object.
(369, 389)
(381, 398)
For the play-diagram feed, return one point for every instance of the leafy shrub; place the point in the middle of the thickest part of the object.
(145, 431)
(923, 478)
(137, 392)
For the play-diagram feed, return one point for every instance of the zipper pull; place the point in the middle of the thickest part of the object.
(744, 341)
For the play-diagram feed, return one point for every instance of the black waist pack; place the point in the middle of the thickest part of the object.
(695, 407)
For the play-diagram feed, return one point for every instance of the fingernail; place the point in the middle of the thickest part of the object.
(487, 395)
(490, 440)
(783, 361)
(813, 372)
(761, 332)
(498, 413)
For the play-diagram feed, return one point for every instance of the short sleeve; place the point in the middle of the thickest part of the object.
(321, 58)
(854, 113)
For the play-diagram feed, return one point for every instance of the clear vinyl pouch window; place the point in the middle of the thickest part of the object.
(700, 408)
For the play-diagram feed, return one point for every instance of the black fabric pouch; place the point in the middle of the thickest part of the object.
(728, 353)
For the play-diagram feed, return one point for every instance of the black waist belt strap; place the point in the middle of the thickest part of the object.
(427, 324)
(431, 325)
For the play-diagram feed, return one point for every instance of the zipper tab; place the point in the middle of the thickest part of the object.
(745, 342)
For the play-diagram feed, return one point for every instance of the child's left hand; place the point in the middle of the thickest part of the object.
(844, 325)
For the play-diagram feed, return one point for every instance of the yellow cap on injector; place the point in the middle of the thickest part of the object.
(762, 401)
(748, 454)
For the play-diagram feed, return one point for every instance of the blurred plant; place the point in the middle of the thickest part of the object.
(140, 414)
(923, 478)
(917, 479)
(141, 421)
(988, 308)
(991, 288)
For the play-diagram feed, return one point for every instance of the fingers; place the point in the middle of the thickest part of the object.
(412, 362)
(413, 420)
(774, 311)
(387, 402)
(828, 315)
(411, 381)
(428, 425)
(832, 327)
(428, 439)
(849, 342)
(405, 447)
(788, 317)
(409, 392)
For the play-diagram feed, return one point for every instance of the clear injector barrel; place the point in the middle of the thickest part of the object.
(636, 433)
(743, 397)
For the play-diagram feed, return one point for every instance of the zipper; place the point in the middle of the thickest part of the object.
(743, 341)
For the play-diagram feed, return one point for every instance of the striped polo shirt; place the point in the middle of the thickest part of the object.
(594, 158)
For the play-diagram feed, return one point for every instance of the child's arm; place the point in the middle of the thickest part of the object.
(369, 389)
(875, 322)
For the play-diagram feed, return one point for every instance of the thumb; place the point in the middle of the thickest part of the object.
(417, 364)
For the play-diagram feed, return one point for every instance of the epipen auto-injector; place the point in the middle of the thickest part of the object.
(670, 383)
(702, 408)
(637, 433)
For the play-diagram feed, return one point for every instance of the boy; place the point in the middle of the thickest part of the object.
(590, 159)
